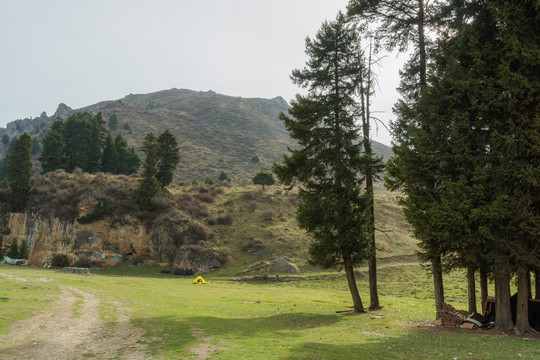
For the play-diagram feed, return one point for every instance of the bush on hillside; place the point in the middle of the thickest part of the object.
(226, 219)
(100, 211)
(60, 260)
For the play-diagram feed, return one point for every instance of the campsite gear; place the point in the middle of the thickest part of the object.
(489, 307)
(11, 261)
(199, 280)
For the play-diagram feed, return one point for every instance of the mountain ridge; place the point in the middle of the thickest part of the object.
(215, 132)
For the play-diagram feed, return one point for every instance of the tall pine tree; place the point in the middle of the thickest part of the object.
(328, 163)
(109, 158)
(19, 171)
(128, 160)
(168, 157)
(149, 186)
(53, 156)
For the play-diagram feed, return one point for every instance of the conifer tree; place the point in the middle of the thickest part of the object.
(109, 159)
(168, 157)
(24, 251)
(328, 163)
(113, 122)
(149, 186)
(128, 160)
(13, 249)
(222, 176)
(53, 156)
(19, 171)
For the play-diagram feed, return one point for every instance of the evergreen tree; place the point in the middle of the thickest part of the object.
(465, 149)
(263, 178)
(24, 251)
(149, 186)
(35, 146)
(13, 249)
(19, 171)
(109, 159)
(5, 140)
(168, 157)
(84, 134)
(399, 24)
(128, 160)
(53, 156)
(223, 176)
(113, 122)
(328, 162)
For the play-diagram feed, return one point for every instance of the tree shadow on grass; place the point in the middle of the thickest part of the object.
(167, 333)
(251, 326)
(417, 344)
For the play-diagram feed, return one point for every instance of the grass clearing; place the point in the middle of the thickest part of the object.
(263, 320)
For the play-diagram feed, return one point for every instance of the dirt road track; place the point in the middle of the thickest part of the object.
(60, 333)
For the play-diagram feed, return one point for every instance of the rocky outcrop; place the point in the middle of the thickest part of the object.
(183, 245)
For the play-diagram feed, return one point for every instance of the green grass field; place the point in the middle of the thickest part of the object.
(256, 320)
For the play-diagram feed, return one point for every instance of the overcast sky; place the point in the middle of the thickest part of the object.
(80, 52)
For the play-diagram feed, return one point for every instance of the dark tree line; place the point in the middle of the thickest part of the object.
(466, 138)
(82, 141)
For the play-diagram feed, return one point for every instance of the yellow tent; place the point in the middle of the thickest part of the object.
(199, 280)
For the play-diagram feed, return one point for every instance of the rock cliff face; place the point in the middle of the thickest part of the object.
(181, 245)
(50, 227)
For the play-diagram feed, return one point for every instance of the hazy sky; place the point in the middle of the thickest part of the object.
(80, 52)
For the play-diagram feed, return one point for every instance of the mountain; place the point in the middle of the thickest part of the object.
(215, 132)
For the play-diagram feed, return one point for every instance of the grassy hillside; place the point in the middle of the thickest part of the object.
(247, 225)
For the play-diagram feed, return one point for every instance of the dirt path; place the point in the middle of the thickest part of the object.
(73, 329)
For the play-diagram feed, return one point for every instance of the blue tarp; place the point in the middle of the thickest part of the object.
(11, 261)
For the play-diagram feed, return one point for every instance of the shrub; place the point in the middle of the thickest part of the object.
(4, 195)
(60, 260)
(100, 211)
(198, 234)
(207, 198)
(225, 219)
(252, 205)
(267, 215)
(83, 262)
(162, 203)
(209, 181)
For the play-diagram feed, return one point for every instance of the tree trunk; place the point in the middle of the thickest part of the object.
(366, 125)
(422, 44)
(471, 287)
(537, 282)
(436, 268)
(503, 314)
(483, 288)
(522, 310)
(374, 296)
(357, 301)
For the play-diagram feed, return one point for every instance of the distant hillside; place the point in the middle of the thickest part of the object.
(215, 132)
